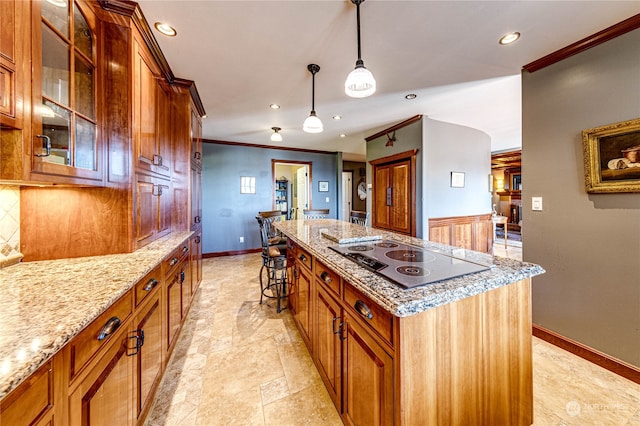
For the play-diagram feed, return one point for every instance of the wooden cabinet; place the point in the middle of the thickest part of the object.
(148, 363)
(178, 292)
(14, 63)
(469, 232)
(31, 403)
(328, 348)
(196, 197)
(196, 261)
(394, 193)
(152, 208)
(368, 378)
(303, 288)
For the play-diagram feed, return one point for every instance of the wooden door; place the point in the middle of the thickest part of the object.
(148, 363)
(400, 209)
(328, 352)
(394, 193)
(368, 378)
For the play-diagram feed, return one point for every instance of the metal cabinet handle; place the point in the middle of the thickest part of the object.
(333, 325)
(363, 309)
(197, 155)
(138, 335)
(157, 160)
(197, 219)
(150, 285)
(325, 277)
(110, 326)
(198, 239)
(302, 257)
(174, 260)
(182, 276)
(46, 144)
(389, 196)
(185, 249)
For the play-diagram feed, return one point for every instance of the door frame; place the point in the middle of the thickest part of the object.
(347, 192)
(275, 162)
(395, 158)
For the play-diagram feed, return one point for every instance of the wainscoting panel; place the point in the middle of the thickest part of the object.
(469, 232)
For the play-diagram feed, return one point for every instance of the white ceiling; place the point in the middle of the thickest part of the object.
(245, 55)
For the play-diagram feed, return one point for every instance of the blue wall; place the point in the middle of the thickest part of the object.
(227, 215)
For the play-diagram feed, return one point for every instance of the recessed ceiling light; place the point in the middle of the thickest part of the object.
(337, 117)
(411, 96)
(274, 106)
(165, 29)
(509, 38)
(342, 135)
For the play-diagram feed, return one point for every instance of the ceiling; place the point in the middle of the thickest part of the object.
(246, 55)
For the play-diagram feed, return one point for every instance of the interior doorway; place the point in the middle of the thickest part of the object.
(347, 194)
(295, 177)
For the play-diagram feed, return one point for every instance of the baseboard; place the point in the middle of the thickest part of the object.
(603, 360)
(231, 253)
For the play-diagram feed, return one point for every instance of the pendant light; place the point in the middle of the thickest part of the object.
(276, 137)
(313, 124)
(360, 82)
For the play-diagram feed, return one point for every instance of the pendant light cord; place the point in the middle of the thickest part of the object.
(358, 26)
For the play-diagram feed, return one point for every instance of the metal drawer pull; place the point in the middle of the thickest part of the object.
(182, 276)
(174, 260)
(333, 325)
(46, 144)
(157, 160)
(151, 284)
(302, 257)
(112, 325)
(363, 309)
(325, 277)
(197, 219)
(139, 336)
(185, 249)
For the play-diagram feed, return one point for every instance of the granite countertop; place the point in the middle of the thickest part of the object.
(312, 236)
(44, 304)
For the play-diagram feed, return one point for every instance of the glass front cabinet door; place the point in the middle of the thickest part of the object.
(65, 133)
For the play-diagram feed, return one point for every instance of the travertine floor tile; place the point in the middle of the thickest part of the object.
(240, 363)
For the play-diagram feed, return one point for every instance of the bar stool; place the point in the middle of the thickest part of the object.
(273, 273)
(359, 217)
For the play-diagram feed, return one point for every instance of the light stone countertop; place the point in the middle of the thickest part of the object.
(310, 235)
(44, 304)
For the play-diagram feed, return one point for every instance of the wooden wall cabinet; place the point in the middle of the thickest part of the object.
(14, 63)
(152, 208)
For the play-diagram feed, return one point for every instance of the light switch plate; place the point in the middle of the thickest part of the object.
(536, 204)
(327, 200)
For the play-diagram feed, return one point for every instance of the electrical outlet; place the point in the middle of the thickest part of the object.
(327, 199)
(242, 239)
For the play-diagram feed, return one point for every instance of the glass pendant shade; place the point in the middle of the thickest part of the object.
(312, 124)
(275, 136)
(360, 83)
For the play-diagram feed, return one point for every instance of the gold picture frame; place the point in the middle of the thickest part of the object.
(612, 157)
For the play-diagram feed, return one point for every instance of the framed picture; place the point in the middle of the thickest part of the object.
(457, 179)
(612, 157)
(323, 186)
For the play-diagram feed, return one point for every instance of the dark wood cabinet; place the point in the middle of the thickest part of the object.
(394, 193)
(152, 208)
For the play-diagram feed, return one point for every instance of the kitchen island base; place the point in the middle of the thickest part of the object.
(464, 362)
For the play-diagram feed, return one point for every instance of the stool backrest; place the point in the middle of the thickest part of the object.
(316, 213)
(359, 217)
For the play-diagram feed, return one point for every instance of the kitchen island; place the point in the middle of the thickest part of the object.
(457, 351)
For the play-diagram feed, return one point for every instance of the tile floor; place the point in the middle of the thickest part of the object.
(239, 363)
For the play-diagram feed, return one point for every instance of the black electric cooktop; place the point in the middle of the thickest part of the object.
(406, 265)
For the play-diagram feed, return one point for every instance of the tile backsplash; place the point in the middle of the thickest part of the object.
(9, 224)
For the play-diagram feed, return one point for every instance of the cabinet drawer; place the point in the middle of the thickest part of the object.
(171, 261)
(29, 401)
(98, 333)
(303, 257)
(379, 320)
(145, 286)
(329, 279)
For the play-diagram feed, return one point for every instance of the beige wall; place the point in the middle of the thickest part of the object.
(588, 243)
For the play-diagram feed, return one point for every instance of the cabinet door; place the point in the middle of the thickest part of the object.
(196, 197)
(304, 284)
(185, 274)
(401, 197)
(148, 361)
(174, 307)
(144, 111)
(196, 137)
(104, 396)
(367, 378)
(65, 79)
(14, 62)
(31, 402)
(328, 351)
(196, 262)
(153, 208)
